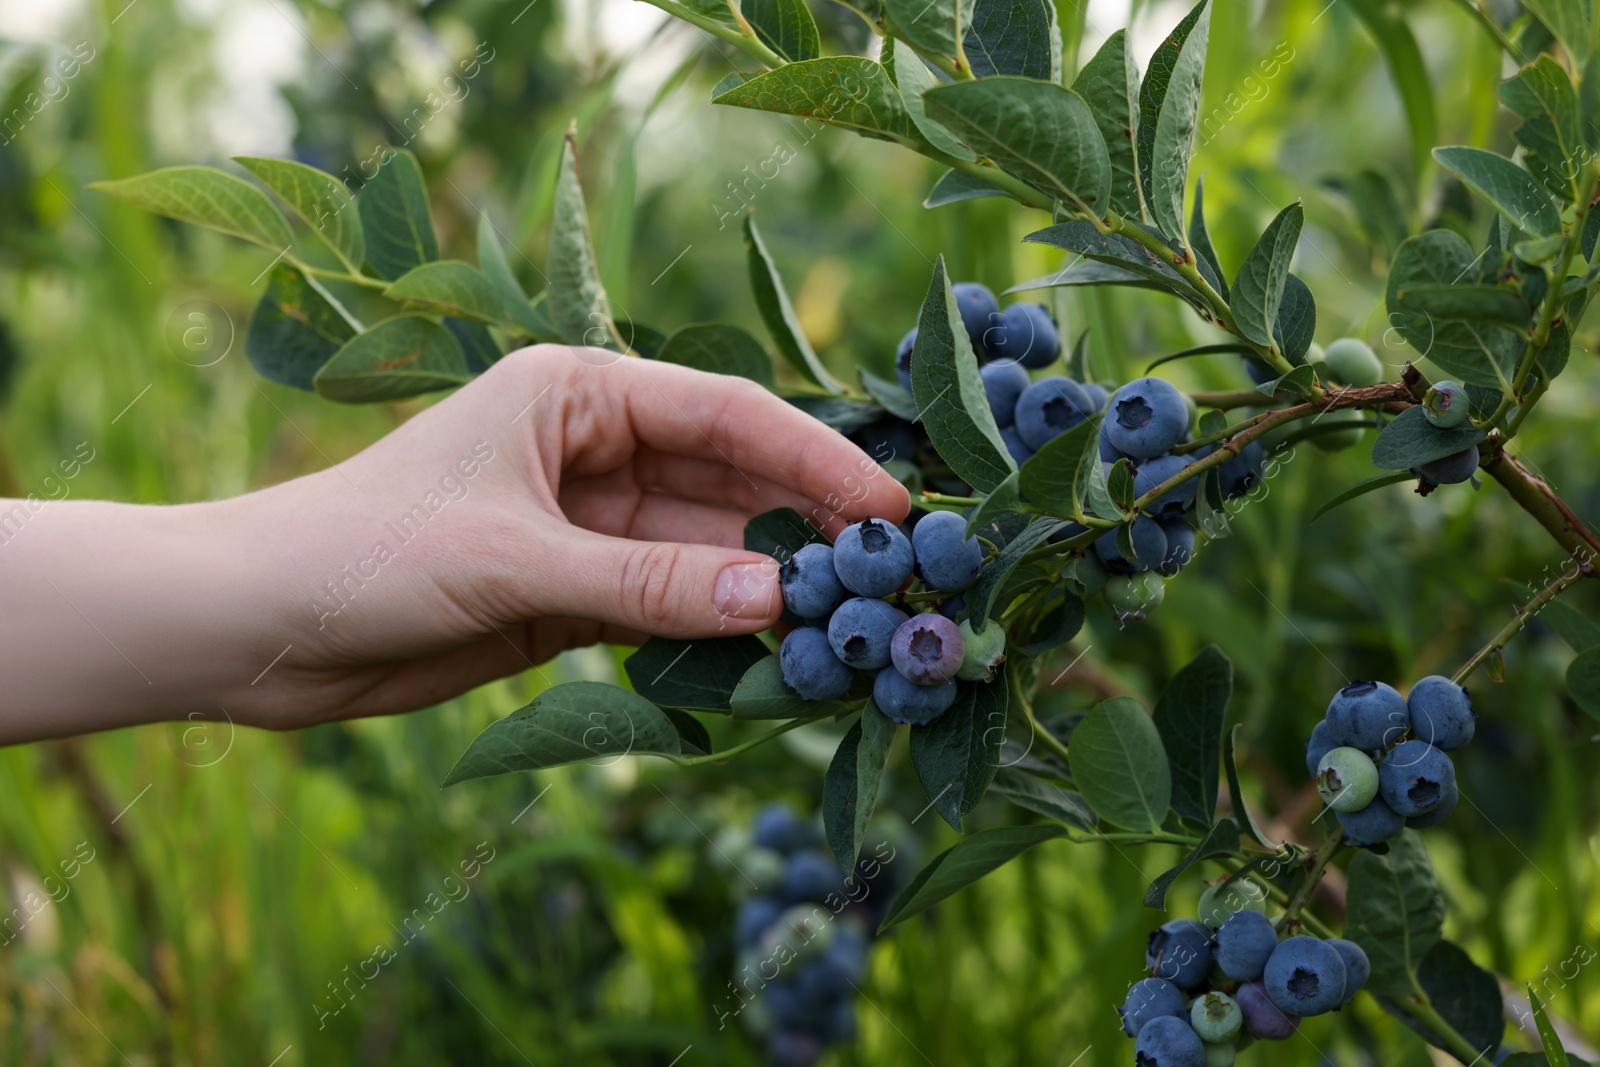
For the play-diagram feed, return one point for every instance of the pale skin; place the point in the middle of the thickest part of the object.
(611, 508)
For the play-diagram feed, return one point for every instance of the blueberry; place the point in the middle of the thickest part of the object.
(1262, 1018)
(1003, 382)
(1146, 418)
(1025, 334)
(927, 649)
(788, 1010)
(810, 668)
(1445, 405)
(890, 437)
(1153, 472)
(1351, 361)
(1224, 899)
(1357, 968)
(1150, 998)
(1375, 823)
(777, 827)
(902, 358)
(1180, 547)
(979, 311)
(1415, 777)
(1134, 596)
(1243, 472)
(1441, 811)
(1108, 451)
(872, 557)
(1049, 408)
(947, 558)
(1243, 945)
(809, 876)
(1015, 445)
(1149, 547)
(906, 702)
(793, 1048)
(840, 1025)
(1098, 396)
(953, 608)
(1319, 744)
(1215, 1017)
(1370, 716)
(755, 915)
(1441, 713)
(1169, 1042)
(860, 632)
(1304, 977)
(811, 589)
(1347, 779)
(1180, 952)
(1451, 470)
(985, 650)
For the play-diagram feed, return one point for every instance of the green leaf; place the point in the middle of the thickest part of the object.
(891, 396)
(956, 755)
(296, 327)
(1014, 37)
(964, 863)
(956, 185)
(1296, 327)
(935, 26)
(1044, 798)
(578, 304)
(699, 675)
(1002, 500)
(850, 790)
(1466, 995)
(1510, 189)
(1120, 484)
(1221, 840)
(578, 722)
(1549, 1041)
(1169, 102)
(399, 357)
(914, 78)
(1109, 84)
(531, 318)
(1236, 793)
(1394, 38)
(1053, 627)
(693, 737)
(1054, 477)
(1466, 303)
(846, 91)
(1189, 718)
(1583, 681)
(1580, 632)
(1258, 290)
(1117, 251)
(720, 350)
(1037, 131)
(1377, 208)
(450, 287)
(477, 344)
(761, 694)
(206, 197)
(1394, 912)
(1552, 130)
(1097, 492)
(393, 207)
(1362, 489)
(949, 393)
(780, 533)
(980, 598)
(1474, 353)
(778, 314)
(1568, 20)
(1410, 440)
(785, 26)
(320, 200)
(1200, 239)
(1120, 765)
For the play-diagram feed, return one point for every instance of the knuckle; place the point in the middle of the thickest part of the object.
(648, 580)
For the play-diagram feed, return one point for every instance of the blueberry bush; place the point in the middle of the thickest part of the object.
(1042, 493)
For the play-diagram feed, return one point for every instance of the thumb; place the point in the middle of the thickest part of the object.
(668, 589)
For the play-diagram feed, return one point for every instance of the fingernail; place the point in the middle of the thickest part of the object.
(746, 590)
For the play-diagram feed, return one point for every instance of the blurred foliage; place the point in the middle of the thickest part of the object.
(242, 882)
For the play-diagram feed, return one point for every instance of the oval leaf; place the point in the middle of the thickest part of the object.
(1411, 440)
(1120, 765)
(1258, 290)
(453, 288)
(1169, 103)
(719, 350)
(700, 675)
(967, 861)
(1508, 187)
(957, 754)
(1189, 718)
(296, 327)
(772, 300)
(321, 201)
(1395, 912)
(207, 197)
(1583, 681)
(395, 218)
(846, 91)
(1109, 84)
(531, 318)
(397, 358)
(578, 304)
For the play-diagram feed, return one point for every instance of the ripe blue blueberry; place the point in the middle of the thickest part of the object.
(1415, 777)
(985, 651)
(1150, 998)
(1304, 976)
(947, 558)
(1357, 968)
(1153, 472)
(927, 649)
(1180, 546)
(784, 1003)
(1025, 334)
(1243, 945)
(1370, 716)
(1319, 744)
(902, 358)
(1015, 445)
(1098, 396)
(1262, 1018)
(1108, 451)
(755, 915)
(953, 608)
(872, 557)
(1375, 823)
(907, 702)
(1452, 469)
(1347, 779)
(777, 827)
(811, 589)
(890, 437)
(1146, 418)
(1215, 1017)
(1169, 1042)
(1445, 405)
(1243, 472)
(1003, 382)
(1441, 713)
(809, 666)
(810, 876)
(860, 632)
(979, 311)
(1180, 952)
(1049, 408)
(793, 1048)
(1149, 547)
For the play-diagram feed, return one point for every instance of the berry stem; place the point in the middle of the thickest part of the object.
(1330, 848)
(728, 753)
(1051, 742)
(1519, 619)
(953, 501)
(338, 275)
(1485, 18)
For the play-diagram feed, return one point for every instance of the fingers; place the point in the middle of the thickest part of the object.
(626, 512)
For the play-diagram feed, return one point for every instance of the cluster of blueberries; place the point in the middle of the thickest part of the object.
(802, 946)
(1377, 779)
(843, 625)
(1215, 986)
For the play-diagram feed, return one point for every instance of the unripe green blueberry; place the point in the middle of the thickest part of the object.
(1222, 900)
(985, 650)
(1351, 361)
(1347, 779)
(1194, 409)
(1089, 572)
(1132, 596)
(1222, 1054)
(1445, 405)
(1215, 1017)
(1339, 440)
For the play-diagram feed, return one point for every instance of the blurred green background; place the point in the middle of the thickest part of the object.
(238, 878)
